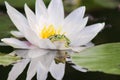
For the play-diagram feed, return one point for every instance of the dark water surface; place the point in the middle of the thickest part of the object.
(70, 74)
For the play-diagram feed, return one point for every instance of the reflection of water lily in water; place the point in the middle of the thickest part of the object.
(47, 29)
(41, 62)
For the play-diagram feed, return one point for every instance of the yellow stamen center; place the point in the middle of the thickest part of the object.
(49, 31)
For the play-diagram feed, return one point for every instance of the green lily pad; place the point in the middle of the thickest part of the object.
(5, 26)
(6, 59)
(104, 58)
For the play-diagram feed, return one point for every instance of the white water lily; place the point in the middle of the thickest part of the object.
(38, 27)
(48, 29)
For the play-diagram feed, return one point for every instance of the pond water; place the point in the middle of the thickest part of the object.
(70, 72)
(108, 35)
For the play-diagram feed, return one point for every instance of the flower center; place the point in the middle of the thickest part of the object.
(49, 31)
(60, 39)
(55, 35)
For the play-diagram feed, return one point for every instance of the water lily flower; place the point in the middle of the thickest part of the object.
(48, 28)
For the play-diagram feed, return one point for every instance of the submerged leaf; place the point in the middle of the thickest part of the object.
(6, 59)
(104, 58)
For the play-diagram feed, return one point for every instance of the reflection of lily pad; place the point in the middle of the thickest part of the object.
(5, 26)
(6, 60)
(105, 58)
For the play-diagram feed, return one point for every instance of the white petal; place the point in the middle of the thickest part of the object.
(46, 44)
(83, 47)
(78, 49)
(75, 20)
(22, 24)
(31, 19)
(22, 53)
(44, 64)
(47, 59)
(78, 13)
(42, 72)
(18, 19)
(15, 43)
(56, 12)
(41, 13)
(87, 34)
(74, 27)
(79, 68)
(40, 8)
(39, 63)
(17, 69)
(32, 68)
(90, 44)
(17, 34)
(57, 70)
(37, 53)
(3, 44)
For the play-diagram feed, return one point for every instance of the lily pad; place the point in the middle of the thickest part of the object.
(104, 58)
(5, 26)
(6, 59)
